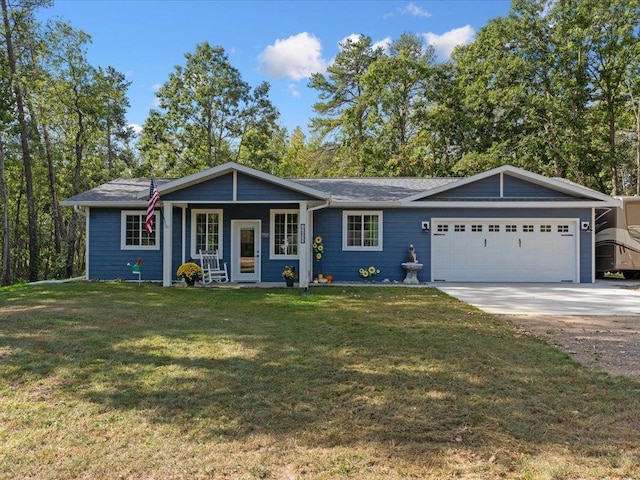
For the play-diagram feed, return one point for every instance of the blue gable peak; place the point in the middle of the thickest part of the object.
(231, 167)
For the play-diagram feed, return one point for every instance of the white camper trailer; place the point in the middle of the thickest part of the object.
(618, 239)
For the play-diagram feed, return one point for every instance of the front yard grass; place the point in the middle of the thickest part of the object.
(119, 381)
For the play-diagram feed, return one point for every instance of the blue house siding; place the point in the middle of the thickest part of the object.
(247, 195)
(107, 261)
(518, 188)
(271, 270)
(485, 188)
(217, 189)
(251, 189)
(402, 227)
(399, 230)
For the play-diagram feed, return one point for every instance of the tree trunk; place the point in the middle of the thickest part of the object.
(6, 242)
(79, 153)
(24, 140)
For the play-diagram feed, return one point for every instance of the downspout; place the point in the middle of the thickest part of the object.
(83, 214)
(310, 225)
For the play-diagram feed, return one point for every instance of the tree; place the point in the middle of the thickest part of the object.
(5, 278)
(9, 18)
(343, 111)
(398, 88)
(207, 114)
(612, 36)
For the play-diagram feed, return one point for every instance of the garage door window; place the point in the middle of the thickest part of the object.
(527, 228)
(563, 228)
(511, 228)
(545, 228)
(494, 228)
(476, 228)
(459, 228)
(442, 228)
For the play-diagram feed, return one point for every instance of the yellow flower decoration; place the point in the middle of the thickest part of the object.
(318, 239)
(189, 270)
(368, 272)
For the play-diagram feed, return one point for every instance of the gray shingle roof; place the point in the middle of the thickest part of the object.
(121, 190)
(124, 190)
(372, 189)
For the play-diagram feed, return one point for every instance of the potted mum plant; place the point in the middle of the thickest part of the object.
(289, 274)
(190, 272)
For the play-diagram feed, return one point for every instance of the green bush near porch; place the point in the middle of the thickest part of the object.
(114, 380)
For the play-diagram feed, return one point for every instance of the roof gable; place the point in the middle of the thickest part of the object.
(233, 169)
(508, 183)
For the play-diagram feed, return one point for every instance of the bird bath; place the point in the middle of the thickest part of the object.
(412, 269)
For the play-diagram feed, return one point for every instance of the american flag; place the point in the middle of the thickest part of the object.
(154, 196)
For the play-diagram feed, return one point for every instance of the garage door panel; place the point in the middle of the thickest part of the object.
(490, 250)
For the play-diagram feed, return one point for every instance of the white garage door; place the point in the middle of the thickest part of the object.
(504, 250)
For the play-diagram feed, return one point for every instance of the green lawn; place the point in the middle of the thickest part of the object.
(120, 381)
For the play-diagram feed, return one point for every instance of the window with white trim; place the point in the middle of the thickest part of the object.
(133, 231)
(284, 239)
(362, 230)
(206, 231)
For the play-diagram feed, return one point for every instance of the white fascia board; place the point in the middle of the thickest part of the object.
(229, 167)
(364, 205)
(98, 204)
(508, 204)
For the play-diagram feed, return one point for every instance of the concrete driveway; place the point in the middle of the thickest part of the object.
(609, 297)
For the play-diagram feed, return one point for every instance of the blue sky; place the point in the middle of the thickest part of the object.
(281, 42)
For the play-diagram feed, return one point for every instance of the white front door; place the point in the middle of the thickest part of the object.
(245, 250)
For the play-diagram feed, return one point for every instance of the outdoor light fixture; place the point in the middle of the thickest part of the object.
(425, 226)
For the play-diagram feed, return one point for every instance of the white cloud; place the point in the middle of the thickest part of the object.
(293, 90)
(445, 43)
(383, 44)
(296, 57)
(137, 129)
(155, 87)
(416, 11)
(354, 38)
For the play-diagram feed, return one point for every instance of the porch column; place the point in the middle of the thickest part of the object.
(167, 244)
(304, 253)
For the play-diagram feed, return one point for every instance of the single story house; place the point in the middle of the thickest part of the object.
(503, 225)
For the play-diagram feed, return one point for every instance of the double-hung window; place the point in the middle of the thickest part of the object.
(133, 231)
(362, 230)
(284, 236)
(206, 231)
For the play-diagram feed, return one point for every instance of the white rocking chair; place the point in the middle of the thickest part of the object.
(213, 269)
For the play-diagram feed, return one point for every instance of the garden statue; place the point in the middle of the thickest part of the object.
(412, 267)
(412, 255)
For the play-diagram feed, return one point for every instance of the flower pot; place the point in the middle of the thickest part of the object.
(289, 282)
(190, 282)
